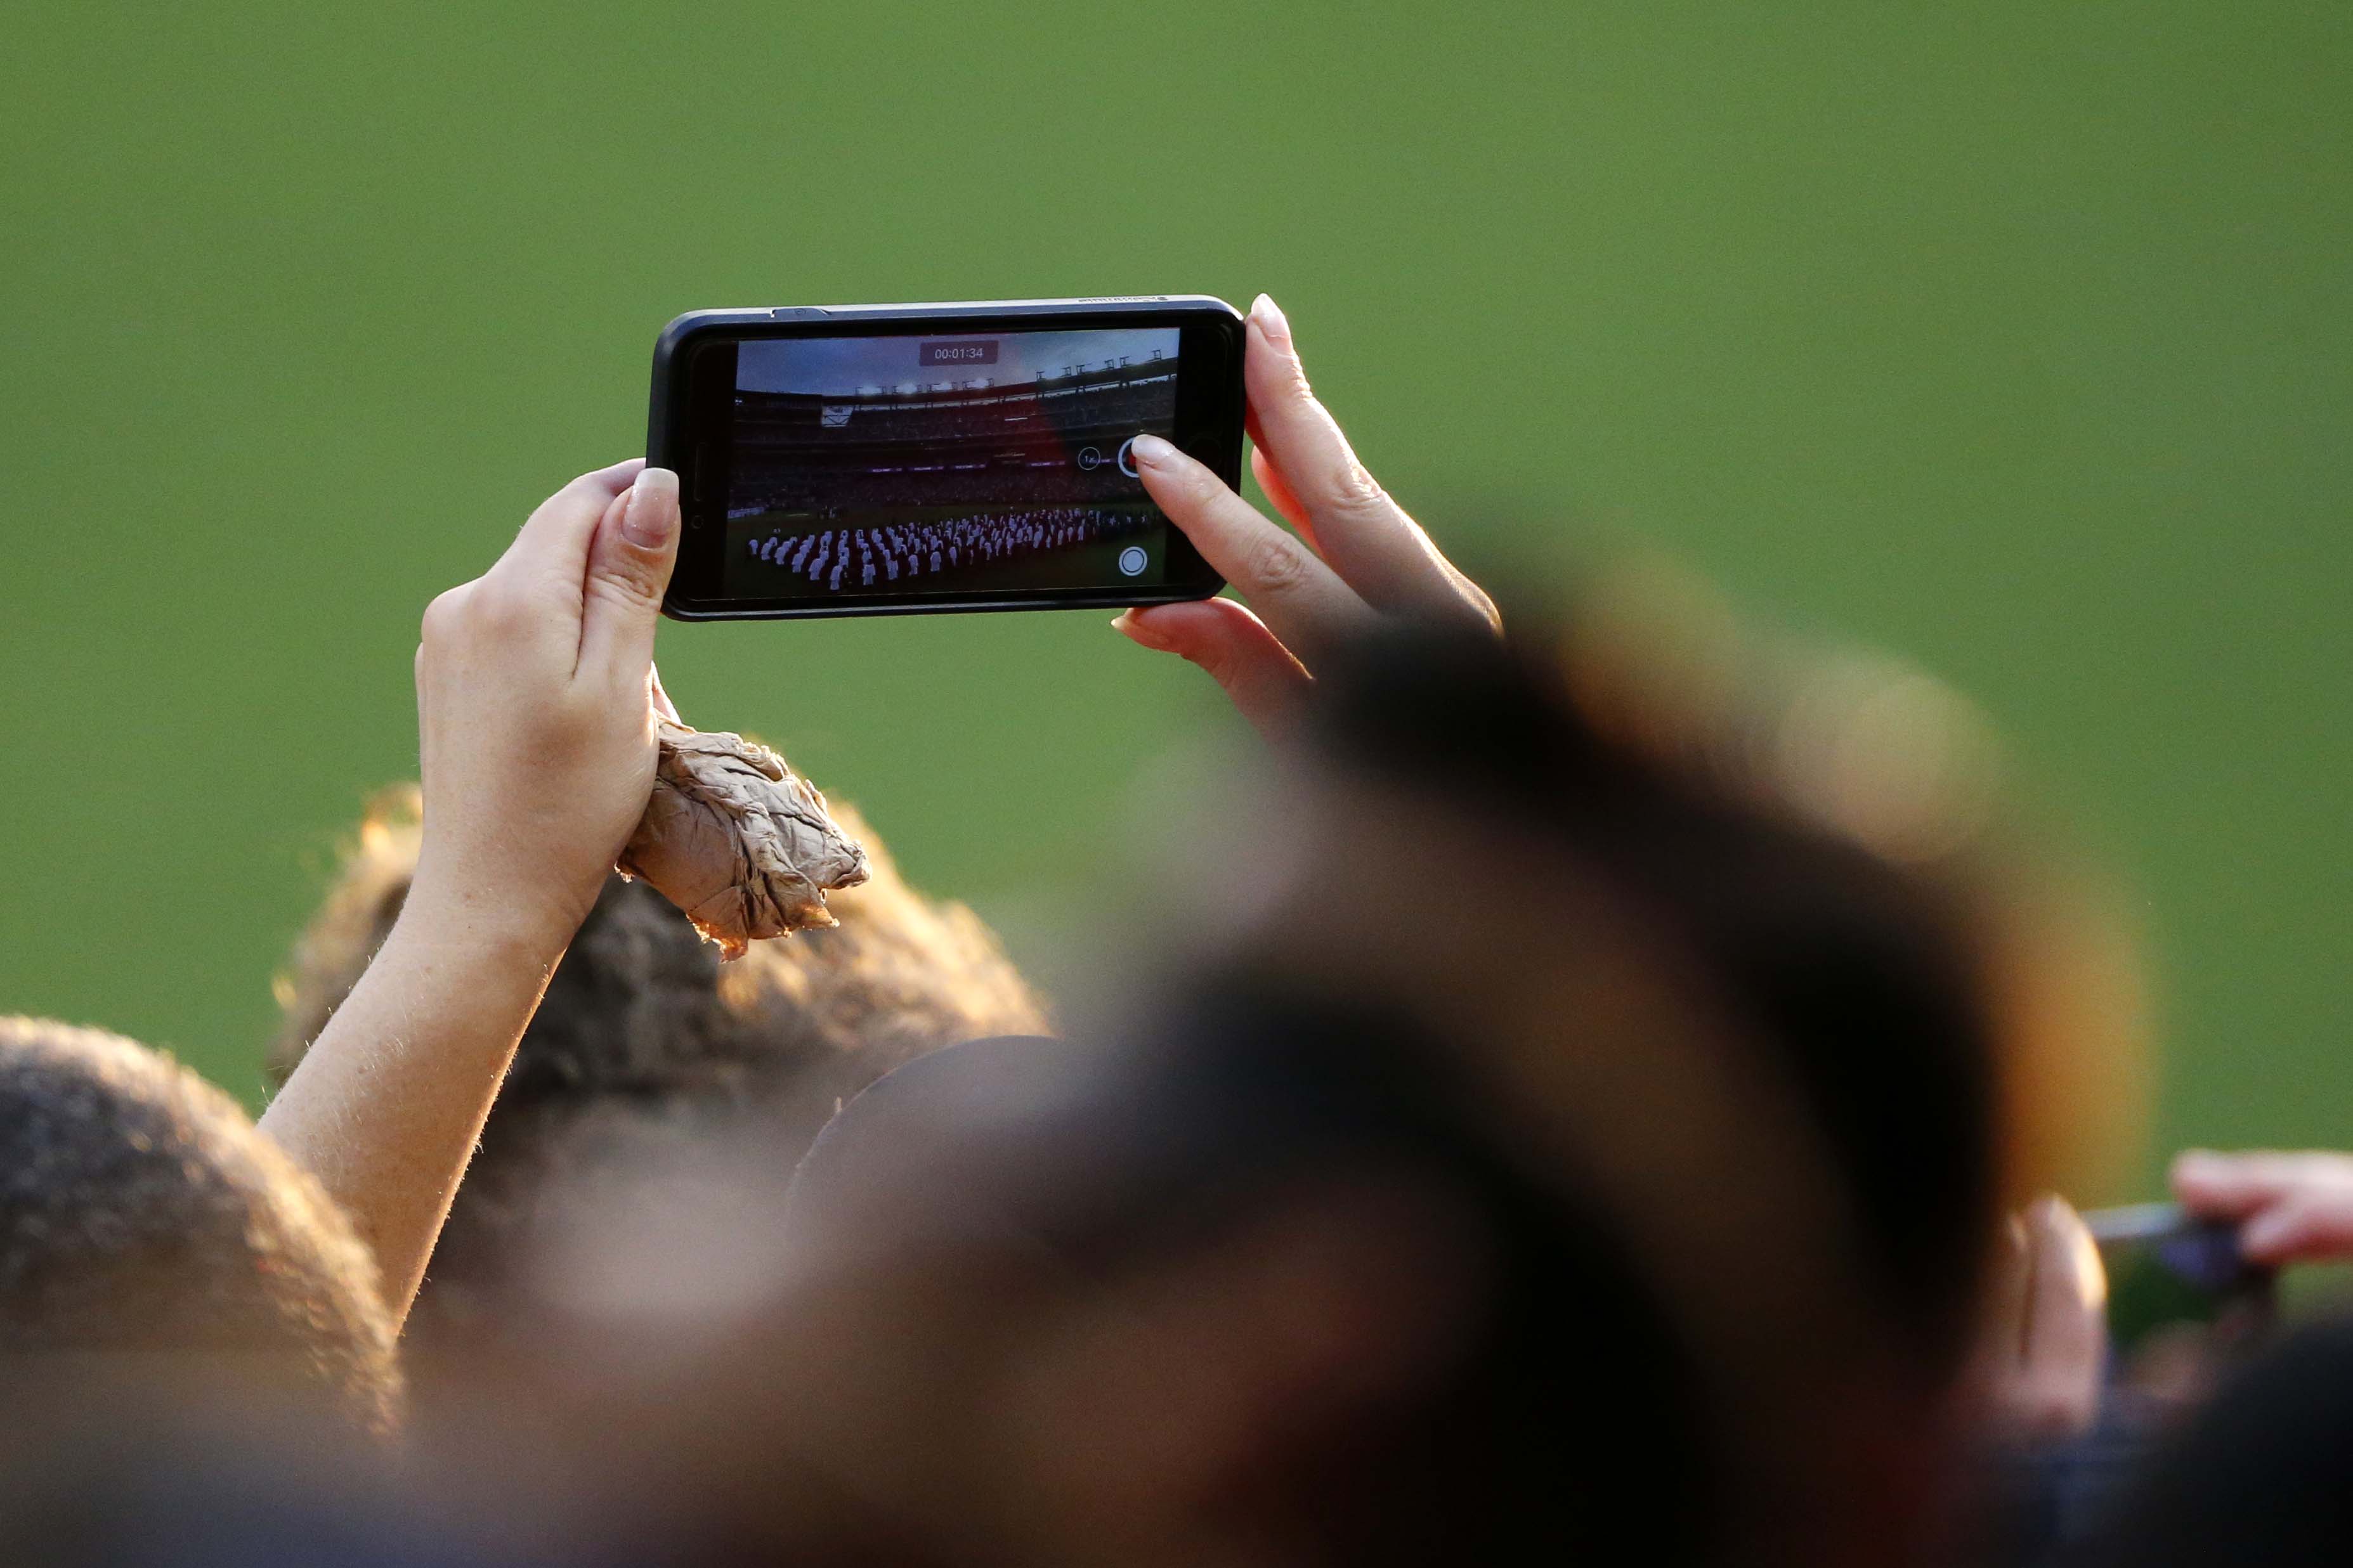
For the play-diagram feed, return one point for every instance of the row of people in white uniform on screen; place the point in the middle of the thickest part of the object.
(868, 557)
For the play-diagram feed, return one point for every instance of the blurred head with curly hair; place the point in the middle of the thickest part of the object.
(149, 1236)
(649, 1047)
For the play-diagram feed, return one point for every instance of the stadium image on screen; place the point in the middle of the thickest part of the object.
(947, 464)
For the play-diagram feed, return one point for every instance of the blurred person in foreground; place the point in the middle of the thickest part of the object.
(2255, 1464)
(1553, 1158)
(2262, 1476)
(184, 1318)
(154, 1248)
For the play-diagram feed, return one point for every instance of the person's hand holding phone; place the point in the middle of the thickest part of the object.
(1356, 555)
(2289, 1207)
(536, 700)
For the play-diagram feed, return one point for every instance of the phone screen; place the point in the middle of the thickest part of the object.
(945, 463)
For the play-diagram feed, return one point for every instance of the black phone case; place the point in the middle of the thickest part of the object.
(666, 443)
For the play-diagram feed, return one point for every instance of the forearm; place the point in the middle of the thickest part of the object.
(388, 1103)
(536, 749)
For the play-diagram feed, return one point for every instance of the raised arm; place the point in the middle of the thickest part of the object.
(536, 700)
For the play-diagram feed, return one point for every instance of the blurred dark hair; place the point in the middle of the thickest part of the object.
(1864, 979)
(1702, 1088)
(1540, 1408)
(147, 1227)
(2259, 1477)
(1566, 1420)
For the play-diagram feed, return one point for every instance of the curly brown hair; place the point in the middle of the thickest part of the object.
(647, 1038)
(141, 1215)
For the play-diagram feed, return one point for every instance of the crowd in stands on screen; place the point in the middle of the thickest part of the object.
(967, 418)
(839, 558)
(789, 479)
(959, 416)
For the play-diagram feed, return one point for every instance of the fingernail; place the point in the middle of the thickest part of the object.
(1272, 320)
(1152, 450)
(651, 515)
(1129, 626)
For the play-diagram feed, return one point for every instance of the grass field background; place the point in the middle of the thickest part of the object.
(2010, 337)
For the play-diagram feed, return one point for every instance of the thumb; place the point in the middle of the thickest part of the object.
(1234, 647)
(629, 564)
(2066, 1342)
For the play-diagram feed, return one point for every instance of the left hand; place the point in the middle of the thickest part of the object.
(1356, 555)
(536, 710)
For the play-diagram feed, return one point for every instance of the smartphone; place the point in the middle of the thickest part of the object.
(2168, 1270)
(889, 459)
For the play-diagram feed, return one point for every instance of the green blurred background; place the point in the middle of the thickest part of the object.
(2010, 337)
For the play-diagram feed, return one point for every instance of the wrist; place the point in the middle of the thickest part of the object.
(475, 925)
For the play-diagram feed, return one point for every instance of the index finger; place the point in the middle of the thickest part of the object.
(2231, 1186)
(1372, 543)
(1300, 600)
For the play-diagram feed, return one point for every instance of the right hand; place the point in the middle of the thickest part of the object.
(2044, 1344)
(1356, 555)
(2289, 1207)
